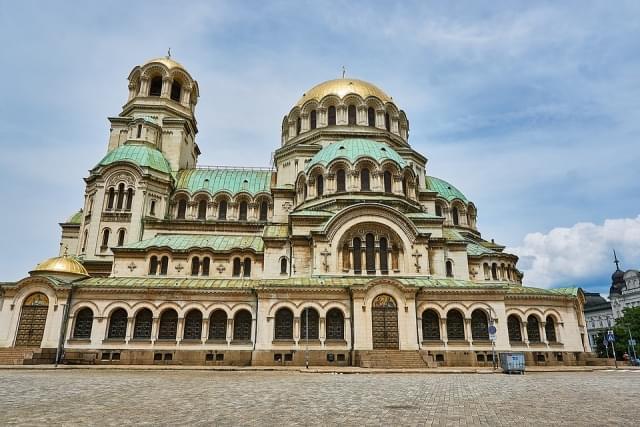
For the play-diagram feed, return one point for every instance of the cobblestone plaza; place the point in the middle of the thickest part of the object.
(116, 397)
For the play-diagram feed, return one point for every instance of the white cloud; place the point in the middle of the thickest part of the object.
(579, 253)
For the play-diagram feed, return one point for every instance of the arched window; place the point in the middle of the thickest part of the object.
(346, 257)
(139, 131)
(533, 329)
(454, 215)
(309, 324)
(218, 325)
(351, 114)
(195, 266)
(357, 260)
(430, 325)
(283, 266)
(331, 115)
(364, 180)
(242, 215)
(164, 265)
(202, 209)
(168, 325)
(237, 266)
(222, 210)
(371, 117)
(153, 265)
(395, 257)
(121, 234)
(182, 209)
(120, 199)
(117, 324)
(319, 185)
(313, 121)
(264, 210)
(479, 325)
(438, 210)
(370, 253)
(386, 177)
(242, 326)
(455, 325)
(494, 271)
(247, 268)
(110, 198)
(155, 88)
(129, 199)
(284, 324)
(341, 182)
(176, 91)
(298, 126)
(206, 263)
(105, 238)
(143, 325)
(550, 330)
(449, 266)
(404, 187)
(335, 324)
(84, 241)
(513, 327)
(387, 122)
(152, 208)
(384, 256)
(487, 274)
(84, 324)
(193, 325)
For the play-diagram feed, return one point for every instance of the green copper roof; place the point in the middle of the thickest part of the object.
(572, 291)
(302, 282)
(276, 231)
(76, 218)
(353, 149)
(231, 180)
(185, 242)
(139, 154)
(474, 249)
(444, 189)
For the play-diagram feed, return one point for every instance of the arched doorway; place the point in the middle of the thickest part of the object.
(32, 320)
(384, 322)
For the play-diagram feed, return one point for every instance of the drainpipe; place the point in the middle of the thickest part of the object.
(351, 325)
(63, 329)
(255, 292)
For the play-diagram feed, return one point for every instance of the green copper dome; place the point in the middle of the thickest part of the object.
(444, 189)
(354, 149)
(139, 154)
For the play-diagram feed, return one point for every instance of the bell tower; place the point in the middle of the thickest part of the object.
(160, 112)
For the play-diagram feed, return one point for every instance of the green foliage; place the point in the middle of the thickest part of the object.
(630, 321)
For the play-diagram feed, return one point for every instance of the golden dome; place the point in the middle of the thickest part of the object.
(166, 61)
(61, 265)
(343, 87)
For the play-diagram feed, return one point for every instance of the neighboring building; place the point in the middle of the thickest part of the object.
(345, 247)
(625, 290)
(597, 315)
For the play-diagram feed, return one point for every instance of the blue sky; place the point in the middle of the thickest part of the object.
(530, 109)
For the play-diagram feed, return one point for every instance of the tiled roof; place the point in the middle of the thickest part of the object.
(444, 189)
(475, 249)
(451, 234)
(572, 290)
(231, 180)
(185, 242)
(139, 154)
(353, 149)
(277, 231)
(305, 282)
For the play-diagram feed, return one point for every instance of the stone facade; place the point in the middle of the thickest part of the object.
(344, 249)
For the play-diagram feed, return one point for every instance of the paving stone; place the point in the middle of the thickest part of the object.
(117, 397)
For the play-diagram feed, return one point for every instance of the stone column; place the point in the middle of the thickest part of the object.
(155, 326)
(204, 334)
(180, 329)
(525, 335)
(443, 330)
(467, 329)
(129, 333)
(229, 334)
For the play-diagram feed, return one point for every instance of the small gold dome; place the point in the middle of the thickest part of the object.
(61, 265)
(343, 87)
(166, 61)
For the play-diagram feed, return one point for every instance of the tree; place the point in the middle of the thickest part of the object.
(629, 322)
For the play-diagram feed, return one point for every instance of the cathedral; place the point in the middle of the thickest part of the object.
(345, 252)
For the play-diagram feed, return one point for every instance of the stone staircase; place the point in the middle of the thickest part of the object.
(26, 355)
(401, 359)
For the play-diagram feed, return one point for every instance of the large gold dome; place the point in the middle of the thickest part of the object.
(341, 88)
(61, 265)
(166, 61)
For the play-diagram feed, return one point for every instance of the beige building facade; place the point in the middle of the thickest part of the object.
(345, 252)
